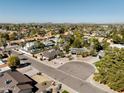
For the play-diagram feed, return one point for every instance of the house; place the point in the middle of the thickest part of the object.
(3, 31)
(116, 46)
(4, 68)
(78, 50)
(48, 43)
(28, 46)
(51, 54)
(16, 42)
(15, 82)
(43, 82)
(54, 39)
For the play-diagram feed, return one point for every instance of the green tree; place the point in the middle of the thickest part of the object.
(61, 30)
(1, 56)
(39, 45)
(93, 52)
(13, 36)
(13, 62)
(111, 68)
(105, 44)
(116, 39)
(42, 33)
(3, 42)
(70, 39)
(66, 48)
(33, 32)
(96, 44)
(4, 35)
(65, 91)
(77, 43)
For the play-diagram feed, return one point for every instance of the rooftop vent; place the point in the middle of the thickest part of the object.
(8, 81)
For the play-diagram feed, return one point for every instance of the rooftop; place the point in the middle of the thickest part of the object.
(19, 77)
(25, 86)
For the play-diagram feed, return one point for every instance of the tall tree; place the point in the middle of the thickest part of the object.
(96, 44)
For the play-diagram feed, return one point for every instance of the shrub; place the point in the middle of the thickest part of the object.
(65, 91)
(13, 61)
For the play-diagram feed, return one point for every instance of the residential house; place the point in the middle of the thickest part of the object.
(51, 54)
(78, 50)
(15, 82)
(48, 43)
(116, 45)
(28, 46)
(54, 39)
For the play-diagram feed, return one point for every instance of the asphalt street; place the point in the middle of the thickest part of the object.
(74, 82)
(78, 69)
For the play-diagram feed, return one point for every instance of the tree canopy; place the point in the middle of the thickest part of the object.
(111, 69)
(13, 61)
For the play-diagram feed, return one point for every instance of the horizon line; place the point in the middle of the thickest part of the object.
(61, 22)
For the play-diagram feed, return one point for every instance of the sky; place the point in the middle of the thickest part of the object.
(62, 11)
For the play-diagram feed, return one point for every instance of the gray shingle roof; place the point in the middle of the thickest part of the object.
(19, 77)
(25, 86)
(50, 54)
